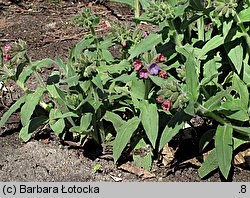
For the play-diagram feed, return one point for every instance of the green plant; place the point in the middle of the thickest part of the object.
(211, 58)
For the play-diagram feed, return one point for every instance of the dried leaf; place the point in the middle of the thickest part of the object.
(241, 159)
(116, 179)
(167, 155)
(144, 174)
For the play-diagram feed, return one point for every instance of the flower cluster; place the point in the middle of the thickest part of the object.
(153, 68)
(6, 55)
(166, 105)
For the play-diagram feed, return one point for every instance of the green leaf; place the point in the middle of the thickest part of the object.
(32, 100)
(58, 126)
(240, 87)
(224, 148)
(12, 109)
(138, 89)
(238, 142)
(78, 48)
(209, 165)
(85, 121)
(145, 45)
(246, 73)
(242, 130)
(97, 81)
(65, 115)
(205, 139)
(27, 131)
(123, 136)
(210, 71)
(115, 119)
(236, 56)
(157, 80)
(150, 120)
(244, 15)
(85, 85)
(192, 78)
(213, 43)
(214, 102)
(173, 127)
(55, 92)
(42, 63)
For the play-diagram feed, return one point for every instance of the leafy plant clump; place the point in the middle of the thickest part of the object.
(196, 64)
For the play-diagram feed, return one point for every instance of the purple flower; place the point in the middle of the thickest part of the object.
(154, 69)
(143, 73)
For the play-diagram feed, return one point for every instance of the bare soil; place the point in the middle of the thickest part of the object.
(46, 28)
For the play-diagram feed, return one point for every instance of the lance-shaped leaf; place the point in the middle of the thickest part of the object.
(192, 80)
(115, 119)
(32, 100)
(213, 43)
(145, 45)
(27, 131)
(224, 148)
(209, 165)
(244, 15)
(173, 127)
(11, 110)
(236, 56)
(123, 136)
(150, 120)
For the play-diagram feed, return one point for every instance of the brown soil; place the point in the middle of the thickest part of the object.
(46, 28)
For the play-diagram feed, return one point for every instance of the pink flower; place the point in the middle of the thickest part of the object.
(7, 48)
(159, 99)
(124, 44)
(161, 58)
(137, 65)
(144, 73)
(166, 105)
(6, 57)
(145, 34)
(163, 74)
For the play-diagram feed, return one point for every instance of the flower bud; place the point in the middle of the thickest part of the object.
(163, 74)
(161, 58)
(166, 105)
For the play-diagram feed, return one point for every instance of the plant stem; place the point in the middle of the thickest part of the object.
(176, 35)
(40, 80)
(137, 9)
(243, 29)
(147, 88)
(201, 33)
(211, 114)
(99, 54)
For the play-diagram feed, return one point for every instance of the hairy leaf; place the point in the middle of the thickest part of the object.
(145, 45)
(173, 127)
(150, 120)
(12, 109)
(123, 136)
(209, 165)
(32, 100)
(27, 131)
(224, 148)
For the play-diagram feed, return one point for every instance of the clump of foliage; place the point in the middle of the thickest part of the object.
(197, 64)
